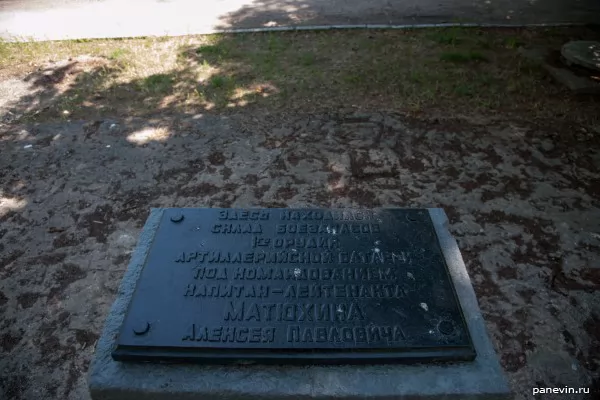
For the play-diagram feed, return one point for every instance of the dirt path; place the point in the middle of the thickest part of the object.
(523, 202)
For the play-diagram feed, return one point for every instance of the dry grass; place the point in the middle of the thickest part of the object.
(454, 70)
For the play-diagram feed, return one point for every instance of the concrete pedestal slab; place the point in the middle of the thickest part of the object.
(480, 379)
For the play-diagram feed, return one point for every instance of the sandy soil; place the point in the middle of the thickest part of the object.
(522, 199)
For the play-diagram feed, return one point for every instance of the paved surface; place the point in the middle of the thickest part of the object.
(522, 201)
(69, 19)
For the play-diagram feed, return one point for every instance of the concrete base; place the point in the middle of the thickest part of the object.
(577, 83)
(480, 379)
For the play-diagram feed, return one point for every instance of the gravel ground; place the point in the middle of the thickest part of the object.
(522, 200)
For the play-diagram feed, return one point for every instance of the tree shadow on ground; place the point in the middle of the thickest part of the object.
(291, 13)
(408, 71)
(289, 120)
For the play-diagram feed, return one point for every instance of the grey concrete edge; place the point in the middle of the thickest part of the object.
(6, 36)
(395, 26)
(134, 269)
(468, 298)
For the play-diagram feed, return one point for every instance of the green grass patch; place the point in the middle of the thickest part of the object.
(463, 56)
(157, 84)
(354, 78)
(210, 50)
(464, 90)
(307, 59)
(219, 81)
(513, 42)
(118, 54)
(450, 36)
(276, 43)
(409, 70)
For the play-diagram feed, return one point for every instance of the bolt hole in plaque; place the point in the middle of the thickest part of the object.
(294, 286)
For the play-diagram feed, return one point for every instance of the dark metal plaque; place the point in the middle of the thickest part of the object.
(294, 286)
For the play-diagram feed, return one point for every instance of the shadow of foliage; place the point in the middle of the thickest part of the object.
(246, 120)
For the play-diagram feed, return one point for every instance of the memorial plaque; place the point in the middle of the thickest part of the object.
(294, 286)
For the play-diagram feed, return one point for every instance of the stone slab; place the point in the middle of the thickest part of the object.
(480, 379)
